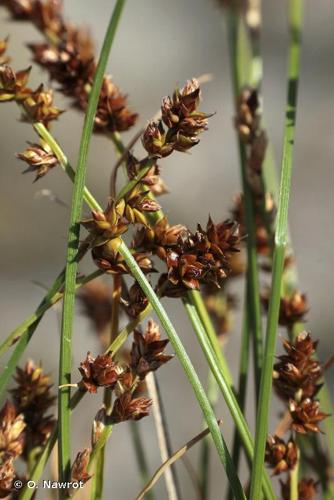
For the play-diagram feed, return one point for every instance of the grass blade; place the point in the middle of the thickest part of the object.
(227, 392)
(188, 368)
(65, 363)
(296, 9)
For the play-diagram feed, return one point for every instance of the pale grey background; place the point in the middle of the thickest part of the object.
(158, 45)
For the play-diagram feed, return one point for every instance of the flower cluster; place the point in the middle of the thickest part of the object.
(184, 123)
(38, 104)
(124, 376)
(40, 159)
(12, 427)
(281, 456)
(106, 228)
(70, 60)
(33, 399)
(191, 258)
(151, 180)
(296, 380)
(293, 308)
(24, 425)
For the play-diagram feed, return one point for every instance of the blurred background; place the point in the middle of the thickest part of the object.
(160, 44)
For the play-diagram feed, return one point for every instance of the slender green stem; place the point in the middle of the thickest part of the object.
(196, 299)
(65, 362)
(239, 78)
(188, 368)
(204, 454)
(227, 392)
(294, 495)
(96, 489)
(242, 388)
(106, 433)
(296, 8)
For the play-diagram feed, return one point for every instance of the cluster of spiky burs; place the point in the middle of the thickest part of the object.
(297, 373)
(204, 257)
(25, 424)
(69, 58)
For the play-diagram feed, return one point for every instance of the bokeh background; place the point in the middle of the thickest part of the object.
(160, 44)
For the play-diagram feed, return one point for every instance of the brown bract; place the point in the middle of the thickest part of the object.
(135, 301)
(159, 238)
(33, 398)
(12, 427)
(79, 468)
(13, 84)
(40, 108)
(306, 415)
(183, 121)
(281, 456)
(69, 58)
(128, 408)
(98, 372)
(152, 178)
(297, 373)
(147, 352)
(40, 159)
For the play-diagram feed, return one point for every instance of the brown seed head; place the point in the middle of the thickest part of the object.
(98, 372)
(135, 302)
(297, 373)
(128, 408)
(12, 426)
(147, 352)
(281, 456)
(79, 468)
(40, 159)
(306, 415)
(40, 107)
(33, 398)
(13, 84)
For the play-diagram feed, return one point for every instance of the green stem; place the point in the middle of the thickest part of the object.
(196, 299)
(294, 481)
(65, 361)
(242, 388)
(188, 368)
(296, 9)
(227, 392)
(204, 455)
(96, 490)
